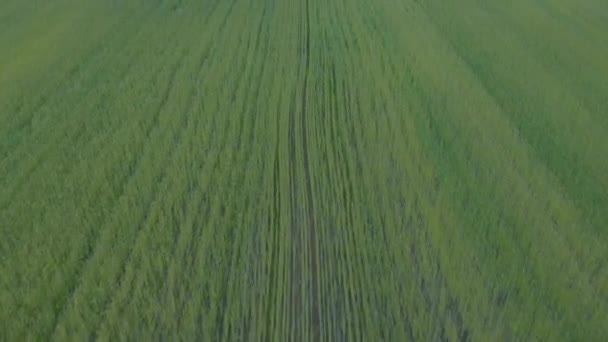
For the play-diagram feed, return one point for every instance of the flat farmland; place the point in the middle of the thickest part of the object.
(279, 170)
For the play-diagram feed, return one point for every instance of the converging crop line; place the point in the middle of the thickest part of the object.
(309, 198)
(94, 243)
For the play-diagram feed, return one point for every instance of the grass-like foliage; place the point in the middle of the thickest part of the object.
(248, 170)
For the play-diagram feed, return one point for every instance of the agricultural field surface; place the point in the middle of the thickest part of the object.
(304, 170)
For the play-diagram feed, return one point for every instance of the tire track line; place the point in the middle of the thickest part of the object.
(246, 122)
(162, 179)
(296, 267)
(308, 179)
(178, 140)
(126, 183)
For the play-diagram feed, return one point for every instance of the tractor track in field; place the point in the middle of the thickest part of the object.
(177, 138)
(125, 182)
(296, 270)
(309, 199)
(300, 236)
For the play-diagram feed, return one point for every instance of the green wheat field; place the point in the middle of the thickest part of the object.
(304, 170)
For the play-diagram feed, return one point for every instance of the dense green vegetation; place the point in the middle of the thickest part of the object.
(304, 170)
